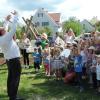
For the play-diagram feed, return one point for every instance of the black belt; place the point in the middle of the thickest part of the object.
(12, 59)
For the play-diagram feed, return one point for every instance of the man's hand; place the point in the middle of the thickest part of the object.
(14, 13)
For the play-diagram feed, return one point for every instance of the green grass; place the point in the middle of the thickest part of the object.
(38, 87)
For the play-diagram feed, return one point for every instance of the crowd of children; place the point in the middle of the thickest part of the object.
(83, 61)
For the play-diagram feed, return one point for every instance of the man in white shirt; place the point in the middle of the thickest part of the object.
(11, 54)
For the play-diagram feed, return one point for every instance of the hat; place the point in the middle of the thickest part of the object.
(70, 30)
(69, 42)
(74, 42)
(98, 56)
(44, 35)
(92, 48)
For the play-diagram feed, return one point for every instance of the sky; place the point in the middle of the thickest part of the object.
(81, 9)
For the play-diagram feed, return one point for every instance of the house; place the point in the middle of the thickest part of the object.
(87, 26)
(43, 18)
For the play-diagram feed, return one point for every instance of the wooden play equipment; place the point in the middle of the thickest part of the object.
(30, 26)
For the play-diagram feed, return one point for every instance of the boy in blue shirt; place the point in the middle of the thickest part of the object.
(37, 58)
(78, 68)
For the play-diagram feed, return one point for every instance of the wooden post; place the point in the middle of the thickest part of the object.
(30, 27)
(29, 23)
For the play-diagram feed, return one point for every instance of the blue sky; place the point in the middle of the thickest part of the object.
(33, 4)
(82, 9)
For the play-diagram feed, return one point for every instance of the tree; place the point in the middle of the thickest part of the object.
(73, 23)
(47, 30)
(19, 31)
(97, 25)
(94, 20)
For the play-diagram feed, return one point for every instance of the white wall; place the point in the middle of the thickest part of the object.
(45, 18)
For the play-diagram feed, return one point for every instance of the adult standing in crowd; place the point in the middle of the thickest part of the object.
(11, 54)
(69, 36)
(26, 43)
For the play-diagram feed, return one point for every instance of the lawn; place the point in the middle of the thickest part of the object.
(36, 86)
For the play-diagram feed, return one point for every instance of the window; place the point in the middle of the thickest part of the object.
(45, 23)
(37, 24)
(40, 15)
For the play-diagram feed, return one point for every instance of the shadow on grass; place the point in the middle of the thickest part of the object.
(3, 68)
(27, 73)
(40, 88)
(54, 90)
(3, 72)
(3, 97)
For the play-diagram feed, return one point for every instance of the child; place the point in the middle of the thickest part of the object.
(93, 71)
(46, 61)
(84, 61)
(78, 68)
(37, 58)
(98, 72)
(57, 63)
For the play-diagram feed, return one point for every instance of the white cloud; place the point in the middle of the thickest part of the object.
(82, 9)
(26, 14)
(5, 9)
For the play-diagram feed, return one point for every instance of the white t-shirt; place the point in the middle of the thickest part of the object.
(27, 43)
(6, 25)
(68, 38)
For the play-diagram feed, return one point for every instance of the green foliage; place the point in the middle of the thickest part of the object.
(94, 20)
(37, 86)
(97, 25)
(74, 24)
(19, 32)
(1, 23)
(47, 30)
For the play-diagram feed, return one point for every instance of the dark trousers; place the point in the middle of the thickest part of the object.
(79, 79)
(36, 65)
(94, 79)
(14, 72)
(25, 57)
(84, 69)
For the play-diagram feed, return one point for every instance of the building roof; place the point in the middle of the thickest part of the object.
(88, 22)
(55, 17)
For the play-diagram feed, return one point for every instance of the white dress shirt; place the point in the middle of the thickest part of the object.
(7, 44)
(6, 25)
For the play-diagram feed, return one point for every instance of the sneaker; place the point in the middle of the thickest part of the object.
(27, 66)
